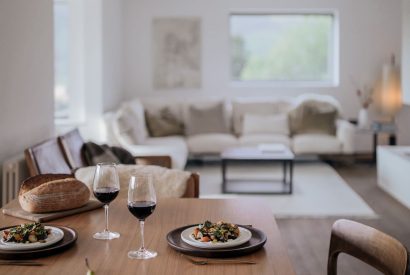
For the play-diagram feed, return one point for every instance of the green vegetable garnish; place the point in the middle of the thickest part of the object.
(89, 272)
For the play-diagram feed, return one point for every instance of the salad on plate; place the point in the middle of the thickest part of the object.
(220, 232)
(26, 233)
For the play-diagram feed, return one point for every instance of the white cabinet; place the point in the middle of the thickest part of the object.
(393, 171)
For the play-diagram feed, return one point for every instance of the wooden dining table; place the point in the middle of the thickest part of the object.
(110, 257)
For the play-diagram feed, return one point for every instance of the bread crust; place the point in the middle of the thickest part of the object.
(52, 192)
(33, 182)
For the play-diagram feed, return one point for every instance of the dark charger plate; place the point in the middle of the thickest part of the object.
(255, 243)
(70, 237)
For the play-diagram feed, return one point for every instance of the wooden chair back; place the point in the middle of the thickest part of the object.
(163, 161)
(192, 188)
(72, 144)
(46, 158)
(369, 245)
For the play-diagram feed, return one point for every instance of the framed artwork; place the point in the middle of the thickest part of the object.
(176, 53)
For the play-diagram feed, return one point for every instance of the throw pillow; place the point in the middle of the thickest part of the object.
(137, 109)
(206, 120)
(313, 117)
(123, 155)
(94, 153)
(128, 126)
(165, 123)
(265, 124)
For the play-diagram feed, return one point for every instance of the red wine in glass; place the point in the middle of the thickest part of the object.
(106, 187)
(142, 201)
(106, 194)
(141, 209)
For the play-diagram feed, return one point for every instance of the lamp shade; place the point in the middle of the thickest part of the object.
(389, 98)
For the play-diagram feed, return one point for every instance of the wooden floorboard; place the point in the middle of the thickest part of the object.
(308, 239)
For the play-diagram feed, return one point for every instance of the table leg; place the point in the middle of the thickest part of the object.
(375, 140)
(223, 176)
(284, 171)
(290, 176)
(392, 139)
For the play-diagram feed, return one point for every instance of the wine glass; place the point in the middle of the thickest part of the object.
(141, 203)
(106, 187)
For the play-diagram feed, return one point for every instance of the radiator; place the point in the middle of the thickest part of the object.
(14, 172)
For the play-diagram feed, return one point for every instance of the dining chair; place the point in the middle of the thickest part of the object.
(72, 144)
(369, 245)
(192, 187)
(46, 157)
(163, 161)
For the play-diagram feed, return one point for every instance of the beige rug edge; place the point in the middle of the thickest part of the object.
(287, 207)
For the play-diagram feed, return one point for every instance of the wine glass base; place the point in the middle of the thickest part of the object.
(142, 254)
(106, 235)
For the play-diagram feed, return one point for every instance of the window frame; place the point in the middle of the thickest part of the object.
(335, 70)
(75, 85)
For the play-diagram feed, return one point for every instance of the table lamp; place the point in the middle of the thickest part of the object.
(388, 98)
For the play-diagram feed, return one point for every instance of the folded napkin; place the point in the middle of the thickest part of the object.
(168, 183)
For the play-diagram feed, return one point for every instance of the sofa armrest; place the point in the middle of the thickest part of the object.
(345, 133)
(163, 161)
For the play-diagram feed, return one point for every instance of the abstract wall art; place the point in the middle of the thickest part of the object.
(176, 49)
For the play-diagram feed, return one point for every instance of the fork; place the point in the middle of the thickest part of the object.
(216, 261)
(22, 263)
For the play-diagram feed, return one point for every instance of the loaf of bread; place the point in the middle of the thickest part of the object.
(52, 192)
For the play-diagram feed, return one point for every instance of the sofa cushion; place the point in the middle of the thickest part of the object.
(263, 106)
(163, 123)
(316, 144)
(211, 143)
(111, 128)
(265, 124)
(127, 125)
(256, 139)
(313, 116)
(156, 105)
(131, 122)
(173, 146)
(204, 120)
(176, 141)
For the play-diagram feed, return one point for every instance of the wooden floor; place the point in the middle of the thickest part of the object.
(308, 239)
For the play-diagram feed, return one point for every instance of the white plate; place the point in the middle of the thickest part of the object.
(244, 236)
(56, 235)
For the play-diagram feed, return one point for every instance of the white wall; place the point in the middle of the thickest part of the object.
(26, 74)
(103, 55)
(403, 118)
(370, 32)
(406, 52)
(112, 53)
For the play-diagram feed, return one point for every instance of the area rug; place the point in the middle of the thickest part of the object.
(318, 190)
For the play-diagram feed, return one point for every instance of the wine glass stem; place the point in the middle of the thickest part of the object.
(142, 234)
(106, 217)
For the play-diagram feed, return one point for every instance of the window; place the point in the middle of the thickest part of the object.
(61, 60)
(284, 48)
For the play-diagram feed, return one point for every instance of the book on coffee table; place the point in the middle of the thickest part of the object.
(271, 147)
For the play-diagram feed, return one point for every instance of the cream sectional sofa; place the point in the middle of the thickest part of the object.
(127, 128)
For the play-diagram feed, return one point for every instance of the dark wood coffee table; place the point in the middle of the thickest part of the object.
(254, 154)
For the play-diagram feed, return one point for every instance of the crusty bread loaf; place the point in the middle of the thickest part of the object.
(50, 193)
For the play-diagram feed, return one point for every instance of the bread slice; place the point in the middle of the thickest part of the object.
(52, 192)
